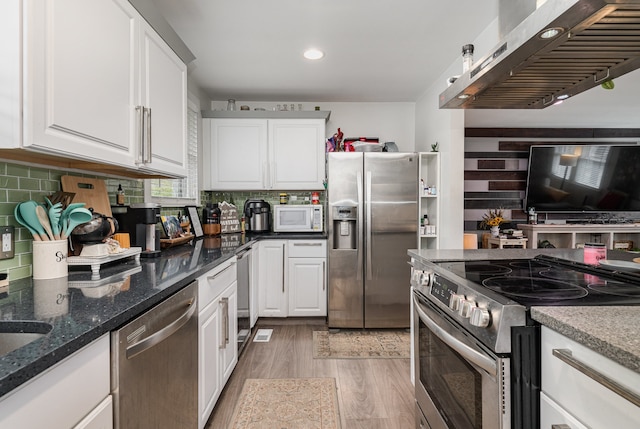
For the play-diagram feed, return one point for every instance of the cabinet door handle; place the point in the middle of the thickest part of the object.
(272, 175)
(324, 273)
(560, 426)
(148, 154)
(224, 302)
(566, 356)
(265, 175)
(140, 134)
(307, 244)
(283, 268)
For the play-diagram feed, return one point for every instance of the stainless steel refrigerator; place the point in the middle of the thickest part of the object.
(372, 221)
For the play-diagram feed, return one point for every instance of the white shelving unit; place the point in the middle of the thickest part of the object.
(573, 235)
(428, 201)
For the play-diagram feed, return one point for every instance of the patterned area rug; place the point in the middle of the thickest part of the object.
(361, 344)
(290, 403)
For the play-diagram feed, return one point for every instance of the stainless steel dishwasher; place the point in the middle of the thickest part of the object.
(244, 298)
(154, 360)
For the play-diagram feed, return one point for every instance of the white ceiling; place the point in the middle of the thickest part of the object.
(376, 50)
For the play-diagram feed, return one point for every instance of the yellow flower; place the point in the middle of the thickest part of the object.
(493, 218)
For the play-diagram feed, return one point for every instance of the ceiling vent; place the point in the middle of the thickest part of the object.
(532, 68)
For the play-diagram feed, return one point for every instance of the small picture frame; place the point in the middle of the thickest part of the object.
(196, 226)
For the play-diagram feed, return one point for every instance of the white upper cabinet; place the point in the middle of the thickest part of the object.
(163, 89)
(235, 153)
(79, 69)
(296, 154)
(264, 154)
(86, 67)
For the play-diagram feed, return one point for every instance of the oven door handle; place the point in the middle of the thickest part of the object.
(471, 355)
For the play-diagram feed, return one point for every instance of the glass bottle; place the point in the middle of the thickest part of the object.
(467, 58)
(231, 105)
(120, 196)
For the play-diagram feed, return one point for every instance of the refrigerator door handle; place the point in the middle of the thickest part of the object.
(368, 223)
(360, 226)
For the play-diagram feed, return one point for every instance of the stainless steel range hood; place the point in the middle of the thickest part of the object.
(598, 40)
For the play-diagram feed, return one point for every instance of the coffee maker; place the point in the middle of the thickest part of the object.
(140, 221)
(257, 215)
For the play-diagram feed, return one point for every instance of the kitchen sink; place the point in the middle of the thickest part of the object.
(15, 334)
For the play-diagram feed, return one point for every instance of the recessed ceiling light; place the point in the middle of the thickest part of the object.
(313, 54)
(463, 96)
(562, 97)
(550, 33)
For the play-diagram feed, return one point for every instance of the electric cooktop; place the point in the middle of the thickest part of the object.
(550, 281)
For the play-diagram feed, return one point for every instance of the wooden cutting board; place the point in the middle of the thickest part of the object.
(92, 192)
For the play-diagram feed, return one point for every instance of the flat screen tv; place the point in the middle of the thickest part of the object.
(584, 178)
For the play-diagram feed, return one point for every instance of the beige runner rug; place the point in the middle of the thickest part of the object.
(361, 344)
(290, 403)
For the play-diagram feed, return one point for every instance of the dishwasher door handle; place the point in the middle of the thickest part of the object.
(136, 348)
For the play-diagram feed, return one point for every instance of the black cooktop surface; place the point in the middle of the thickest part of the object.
(550, 281)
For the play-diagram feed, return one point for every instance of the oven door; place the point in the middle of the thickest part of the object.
(459, 384)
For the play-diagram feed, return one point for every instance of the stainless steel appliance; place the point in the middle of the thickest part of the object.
(476, 350)
(140, 221)
(244, 298)
(257, 215)
(372, 221)
(154, 359)
(297, 218)
(540, 40)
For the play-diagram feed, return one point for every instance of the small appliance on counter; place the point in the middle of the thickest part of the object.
(257, 215)
(140, 221)
(297, 218)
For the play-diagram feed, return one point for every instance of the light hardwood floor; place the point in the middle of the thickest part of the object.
(372, 393)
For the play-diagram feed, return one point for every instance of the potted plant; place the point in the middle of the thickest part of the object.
(492, 220)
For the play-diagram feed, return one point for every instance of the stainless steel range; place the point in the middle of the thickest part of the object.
(476, 350)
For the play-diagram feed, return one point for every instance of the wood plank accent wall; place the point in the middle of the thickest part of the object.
(496, 164)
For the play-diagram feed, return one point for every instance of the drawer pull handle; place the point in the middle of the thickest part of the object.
(566, 356)
(307, 244)
(560, 426)
(213, 277)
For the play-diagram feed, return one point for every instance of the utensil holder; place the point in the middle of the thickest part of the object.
(50, 259)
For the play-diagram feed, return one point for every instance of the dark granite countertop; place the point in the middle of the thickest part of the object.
(81, 309)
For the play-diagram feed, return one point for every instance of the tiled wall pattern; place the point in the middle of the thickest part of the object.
(272, 197)
(24, 182)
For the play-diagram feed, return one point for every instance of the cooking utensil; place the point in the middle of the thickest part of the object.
(21, 221)
(99, 228)
(65, 213)
(76, 217)
(43, 218)
(28, 212)
(55, 211)
(63, 198)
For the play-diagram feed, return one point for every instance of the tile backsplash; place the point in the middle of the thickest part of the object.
(26, 182)
(20, 182)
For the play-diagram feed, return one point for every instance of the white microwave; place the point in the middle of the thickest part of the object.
(297, 218)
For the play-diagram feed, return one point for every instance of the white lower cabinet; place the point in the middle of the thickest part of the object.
(272, 296)
(75, 393)
(572, 398)
(217, 343)
(292, 278)
(100, 418)
(306, 280)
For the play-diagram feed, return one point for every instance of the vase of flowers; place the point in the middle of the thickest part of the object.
(493, 219)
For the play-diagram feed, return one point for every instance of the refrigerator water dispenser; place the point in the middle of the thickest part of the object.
(345, 227)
